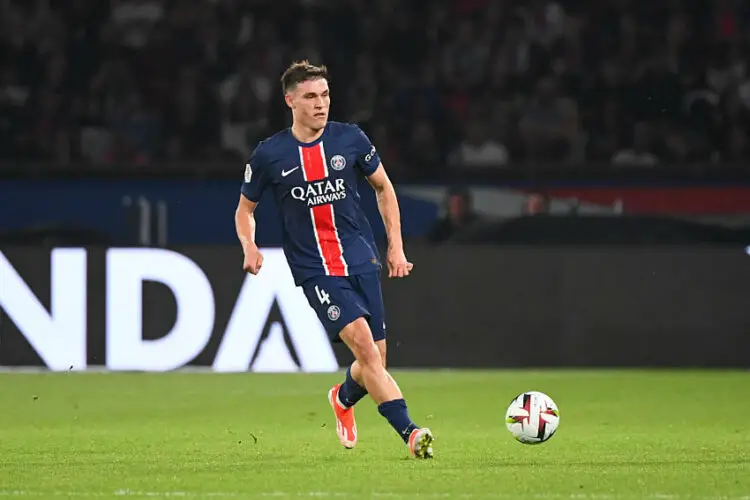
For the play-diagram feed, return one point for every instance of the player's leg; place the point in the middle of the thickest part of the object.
(368, 289)
(336, 304)
(383, 388)
(353, 390)
(383, 348)
(347, 302)
(369, 362)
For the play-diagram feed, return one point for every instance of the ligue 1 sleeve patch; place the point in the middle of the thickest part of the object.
(370, 155)
(248, 173)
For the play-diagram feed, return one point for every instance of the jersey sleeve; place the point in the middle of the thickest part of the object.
(256, 176)
(368, 159)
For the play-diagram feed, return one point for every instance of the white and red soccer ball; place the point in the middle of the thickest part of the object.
(532, 417)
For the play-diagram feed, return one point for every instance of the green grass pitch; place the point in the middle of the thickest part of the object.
(660, 435)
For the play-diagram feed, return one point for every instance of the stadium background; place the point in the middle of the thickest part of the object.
(573, 175)
(573, 178)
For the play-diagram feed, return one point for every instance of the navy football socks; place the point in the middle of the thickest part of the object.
(394, 411)
(351, 392)
(398, 416)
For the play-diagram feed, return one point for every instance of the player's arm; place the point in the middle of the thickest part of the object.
(388, 206)
(244, 222)
(398, 266)
(369, 164)
(254, 185)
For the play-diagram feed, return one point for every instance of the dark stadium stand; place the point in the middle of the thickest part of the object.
(487, 84)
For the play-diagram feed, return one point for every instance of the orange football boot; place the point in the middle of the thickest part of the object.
(420, 443)
(346, 427)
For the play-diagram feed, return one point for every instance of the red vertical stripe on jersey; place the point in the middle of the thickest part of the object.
(324, 221)
(312, 163)
(325, 230)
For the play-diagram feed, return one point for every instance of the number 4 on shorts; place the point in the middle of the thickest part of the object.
(323, 297)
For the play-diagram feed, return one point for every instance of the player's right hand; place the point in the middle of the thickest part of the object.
(253, 261)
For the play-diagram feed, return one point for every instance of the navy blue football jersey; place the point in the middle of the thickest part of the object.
(325, 230)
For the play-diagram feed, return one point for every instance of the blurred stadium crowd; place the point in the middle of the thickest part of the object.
(435, 83)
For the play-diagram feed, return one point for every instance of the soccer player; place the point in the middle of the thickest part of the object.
(313, 169)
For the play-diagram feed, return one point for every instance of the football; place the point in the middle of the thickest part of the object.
(532, 417)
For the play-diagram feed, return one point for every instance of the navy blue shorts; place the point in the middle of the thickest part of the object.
(339, 300)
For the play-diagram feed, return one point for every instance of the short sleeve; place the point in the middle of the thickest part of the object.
(368, 159)
(256, 177)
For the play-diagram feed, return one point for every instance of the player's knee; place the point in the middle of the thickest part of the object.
(366, 352)
(359, 339)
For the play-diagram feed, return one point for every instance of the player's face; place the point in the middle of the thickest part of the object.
(310, 101)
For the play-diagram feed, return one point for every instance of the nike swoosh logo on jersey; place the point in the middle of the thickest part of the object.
(284, 173)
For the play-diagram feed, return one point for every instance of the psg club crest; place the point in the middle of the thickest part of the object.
(333, 313)
(338, 162)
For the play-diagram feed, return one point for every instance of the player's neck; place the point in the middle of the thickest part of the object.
(306, 134)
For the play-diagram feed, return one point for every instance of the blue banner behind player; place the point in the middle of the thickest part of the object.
(313, 170)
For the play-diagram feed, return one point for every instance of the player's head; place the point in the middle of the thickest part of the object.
(305, 88)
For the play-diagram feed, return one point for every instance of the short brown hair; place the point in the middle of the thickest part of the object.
(301, 71)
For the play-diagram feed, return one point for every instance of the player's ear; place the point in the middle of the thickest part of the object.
(289, 100)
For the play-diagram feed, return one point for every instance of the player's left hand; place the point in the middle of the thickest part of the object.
(398, 266)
